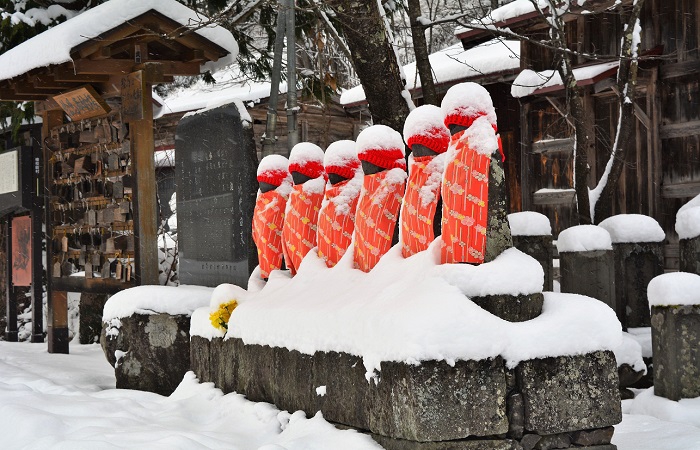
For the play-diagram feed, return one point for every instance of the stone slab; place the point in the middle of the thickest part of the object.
(434, 401)
(675, 341)
(636, 264)
(155, 352)
(512, 308)
(215, 177)
(570, 393)
(347, 397)
(90, 309)
(470, 444)
(200, 361)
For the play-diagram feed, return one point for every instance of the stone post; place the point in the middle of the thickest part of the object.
(639, 257)
(675, 334)
(90, 308)
(532, 235)
(586, 260)
(688, 229)
(689, 250)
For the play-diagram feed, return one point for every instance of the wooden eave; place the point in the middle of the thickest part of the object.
(531, 21)
(583, 82)
(168, 47)
(488, 78)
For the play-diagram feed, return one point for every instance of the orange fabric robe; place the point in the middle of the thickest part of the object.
(300, 225)
(268, 219)
(336, 224)
(465, 192)
(377, 214)
(417, 214)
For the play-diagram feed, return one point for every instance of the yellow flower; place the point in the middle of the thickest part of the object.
(219, 318)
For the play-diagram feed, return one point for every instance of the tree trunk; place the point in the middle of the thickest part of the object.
(374, 59)
(421, 49)
(626, 86)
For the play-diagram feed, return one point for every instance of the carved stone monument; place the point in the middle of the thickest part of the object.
(215, 164)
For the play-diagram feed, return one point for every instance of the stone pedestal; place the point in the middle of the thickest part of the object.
(544, 403)
(149, 352)
(636, 264)
(90, 307)
(675, 338)
(511, 307)
(589, 273)
(540, 248)
(690, 255)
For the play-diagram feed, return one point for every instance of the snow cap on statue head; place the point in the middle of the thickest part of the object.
(307, 159)
(425, 125)
(273, 169)
(381, 146)
(465, 102)
(341, 159)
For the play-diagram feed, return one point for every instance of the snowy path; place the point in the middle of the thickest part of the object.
(69, 402)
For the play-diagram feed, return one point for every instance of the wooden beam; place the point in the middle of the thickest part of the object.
(48, 82)
(553, 145)
(11, 95)
(67, 73)
(681, 190)
(680, 69)
(683, 129)
(106, 67)
(560, 109)
(114, 35)
(174, 67)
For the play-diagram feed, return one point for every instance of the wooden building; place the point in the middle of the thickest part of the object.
(320, 124)
(91, 79)
(663, 170)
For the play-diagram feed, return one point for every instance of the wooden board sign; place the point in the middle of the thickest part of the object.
(22, 251)
(9, 172)
(132, 89)
(82, 103)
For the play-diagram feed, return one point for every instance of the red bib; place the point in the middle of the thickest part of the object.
(336, 224)
(418, 211)
(465, 199)
(299, 231)
(268, 218)
(377, 214)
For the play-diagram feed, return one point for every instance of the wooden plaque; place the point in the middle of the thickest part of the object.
(82, 103)
(22, 251)
(132, 89)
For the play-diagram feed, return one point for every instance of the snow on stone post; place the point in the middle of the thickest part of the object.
(586, 259)
(675, 334)
(532, 235)
(688, 229)
(639, 257)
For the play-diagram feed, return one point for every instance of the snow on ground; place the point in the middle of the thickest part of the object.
(69, 402)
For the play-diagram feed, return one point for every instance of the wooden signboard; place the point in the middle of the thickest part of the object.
(22, 251)
(9, 172)
(132, 89)
(82, 103)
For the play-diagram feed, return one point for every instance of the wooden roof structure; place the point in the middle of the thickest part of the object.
(149, 39)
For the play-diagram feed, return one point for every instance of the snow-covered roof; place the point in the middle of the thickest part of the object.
(499, 17)
(54, 45)
(230, 84)
(455, 64)
(530, 82)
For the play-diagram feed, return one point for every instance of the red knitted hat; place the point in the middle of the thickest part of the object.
(312, 169)
(425, 125)
(381, 146)
(465, 102)
(307, 159)
(346, 170)
(387, 158)
(273, 170)
(437, 139)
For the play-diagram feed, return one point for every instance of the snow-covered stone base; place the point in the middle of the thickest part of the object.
(429, 401)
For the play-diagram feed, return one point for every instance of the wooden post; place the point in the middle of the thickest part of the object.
(57, 326)
(11, 334)
(37, 239)
(137, 110)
